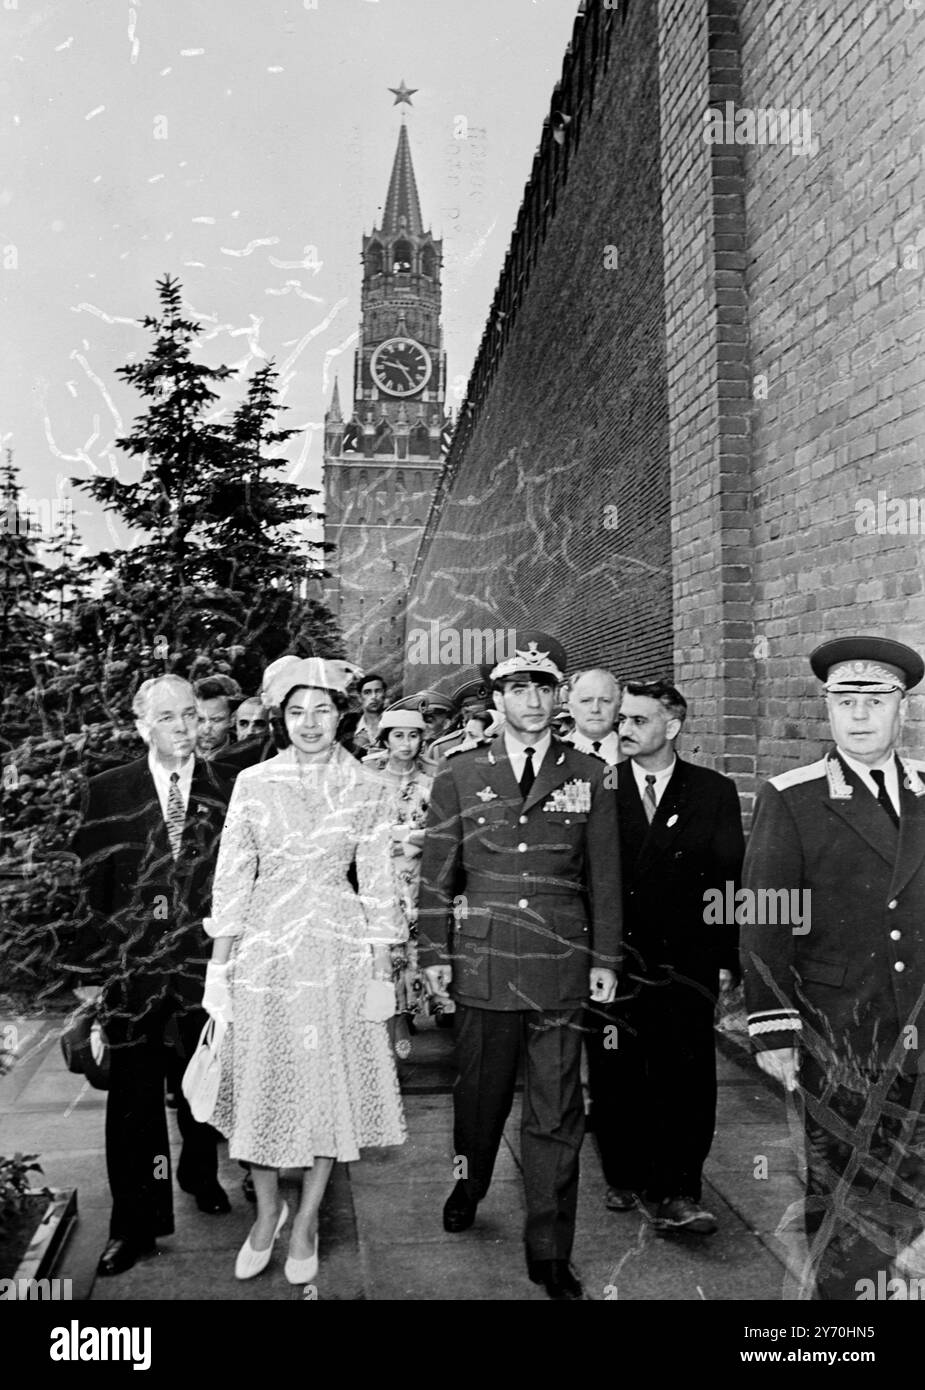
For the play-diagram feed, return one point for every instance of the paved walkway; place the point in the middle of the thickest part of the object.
(381, 1231)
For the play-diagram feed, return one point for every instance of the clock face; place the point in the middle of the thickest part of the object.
(400, 366)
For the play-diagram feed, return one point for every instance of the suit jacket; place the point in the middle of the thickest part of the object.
(536, 881)
(693, 844)
(247, 753)
(850, 979)
(140, 929)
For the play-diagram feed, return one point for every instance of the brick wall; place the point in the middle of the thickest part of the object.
(749, 376)
(835, 278)
(558, 511)
(708, 384)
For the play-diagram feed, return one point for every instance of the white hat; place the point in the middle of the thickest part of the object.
(402, 719)
(535, 654)
(323, 673)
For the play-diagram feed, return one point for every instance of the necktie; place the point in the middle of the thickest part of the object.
(176, 814)
(883, 795)
(649, 804)
(528, 776)
(596, 746)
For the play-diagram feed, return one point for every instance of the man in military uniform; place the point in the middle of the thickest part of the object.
(835, 998)
(522, 834)
(470, 698)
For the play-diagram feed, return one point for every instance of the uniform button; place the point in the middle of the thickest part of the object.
(895, 935)
(893, 905)
(523, 902)
(523, 820)
(899, 966)
(481, 820)
(521, 849)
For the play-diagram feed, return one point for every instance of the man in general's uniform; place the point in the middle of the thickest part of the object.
(836, 997)
(522, 834)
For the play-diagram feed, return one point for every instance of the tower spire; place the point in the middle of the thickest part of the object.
(402, 207)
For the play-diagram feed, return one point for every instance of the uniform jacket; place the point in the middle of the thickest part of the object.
(694, 843)
(140, 929)
(853, 983)
(536, 882)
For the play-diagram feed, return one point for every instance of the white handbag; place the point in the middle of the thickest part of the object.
(204, 1072)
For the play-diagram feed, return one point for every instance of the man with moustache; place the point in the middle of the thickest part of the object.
(838, 1011)
(251, 720)
(147, 844)
(652, 1058)
(521, 839)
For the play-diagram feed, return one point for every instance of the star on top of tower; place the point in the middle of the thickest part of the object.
(403, 94)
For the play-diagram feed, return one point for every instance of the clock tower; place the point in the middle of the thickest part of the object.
(382, 462)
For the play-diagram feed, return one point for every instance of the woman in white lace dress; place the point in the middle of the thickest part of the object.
(307, 1077)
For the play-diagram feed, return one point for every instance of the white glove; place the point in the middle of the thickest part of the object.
(216, 999)
(439, 977)
(380, 1002)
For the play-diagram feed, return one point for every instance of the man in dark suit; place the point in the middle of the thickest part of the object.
(652, 1061)
(147, 844)
(522, 836)
(837, 1002)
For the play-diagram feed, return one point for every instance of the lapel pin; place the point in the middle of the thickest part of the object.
(672, 820)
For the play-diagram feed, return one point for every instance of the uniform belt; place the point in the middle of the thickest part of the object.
(516, 885)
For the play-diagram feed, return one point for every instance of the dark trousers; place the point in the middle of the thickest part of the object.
(652, 1077)
(489, 1045)
(865, 1181)
(137, 1147)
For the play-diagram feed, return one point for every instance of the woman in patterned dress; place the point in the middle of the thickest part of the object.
(397, 761)
(308, 1075)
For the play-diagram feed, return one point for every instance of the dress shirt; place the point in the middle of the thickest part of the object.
(517, 752)
(609, 749)
(661, 779)
(891, 779)
(161, 776)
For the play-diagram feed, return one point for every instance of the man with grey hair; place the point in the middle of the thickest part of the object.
(147, 843)
(593, 699)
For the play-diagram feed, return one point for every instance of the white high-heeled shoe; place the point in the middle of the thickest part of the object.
(251, 1262)
(302, 1271)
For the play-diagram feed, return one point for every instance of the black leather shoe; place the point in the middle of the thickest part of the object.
(120, 1255)
(459, 1209)
(620, 1199)
(213, 1200)
(557, 1278)
(210, 1197)
(684, 1215)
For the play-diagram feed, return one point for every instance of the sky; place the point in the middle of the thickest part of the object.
(244, 148)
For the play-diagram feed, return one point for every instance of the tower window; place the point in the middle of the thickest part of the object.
(429, 263)
(374, 259)
(385, 440)
(402, 257)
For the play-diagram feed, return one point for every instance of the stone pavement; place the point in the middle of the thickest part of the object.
(381, 1231)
